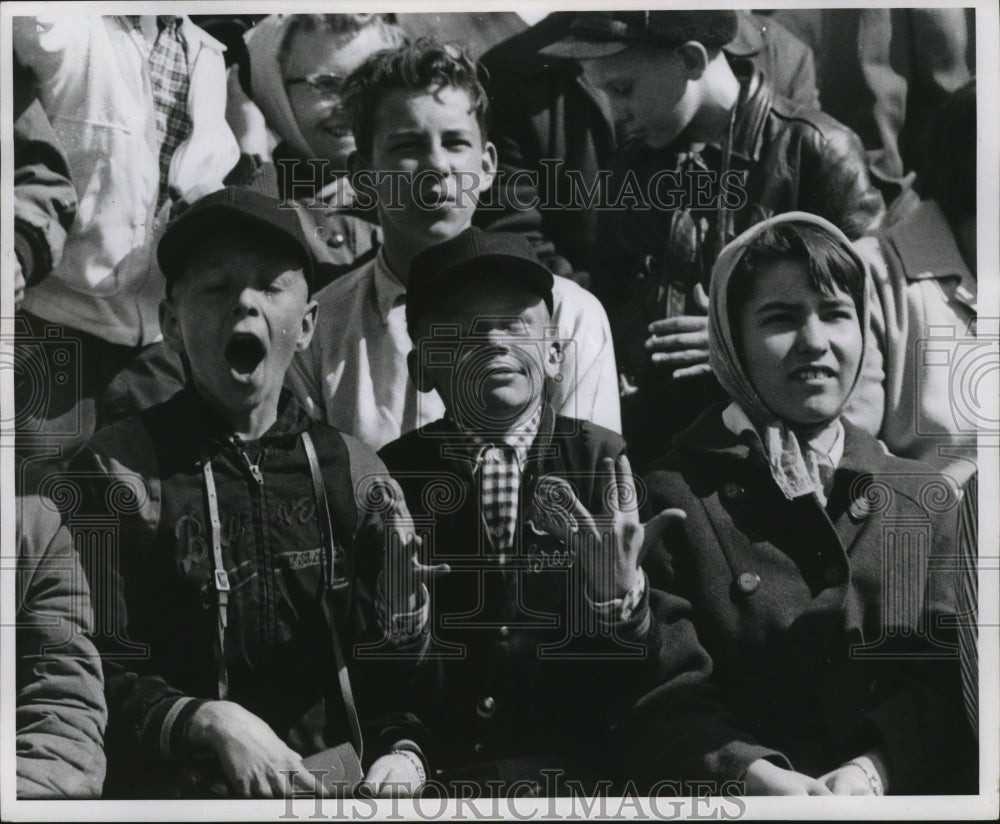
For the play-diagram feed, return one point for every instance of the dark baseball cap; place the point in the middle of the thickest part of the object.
(602, 34)
(440, 269)
(233, 206)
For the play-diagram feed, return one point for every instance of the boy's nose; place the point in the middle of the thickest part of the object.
(246, 303)
(437, 159)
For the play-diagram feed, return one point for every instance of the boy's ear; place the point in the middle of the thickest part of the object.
(170, 326)
(489, 166)
(554, 357)
(419, 376)
(694, 59)
(308, 326)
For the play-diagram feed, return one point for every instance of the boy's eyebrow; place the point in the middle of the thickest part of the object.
(403, 132)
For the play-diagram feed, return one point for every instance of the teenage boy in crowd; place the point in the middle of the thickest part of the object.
(710, 149)
(227, 573)
(419, 118)
(566, 660)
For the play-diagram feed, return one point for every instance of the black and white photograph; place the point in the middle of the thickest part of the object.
(499, 410)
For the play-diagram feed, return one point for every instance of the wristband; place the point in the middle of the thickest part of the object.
(874, 779)
(416, 761)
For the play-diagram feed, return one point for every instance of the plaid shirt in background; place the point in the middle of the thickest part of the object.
(170, 79)
(500, 480)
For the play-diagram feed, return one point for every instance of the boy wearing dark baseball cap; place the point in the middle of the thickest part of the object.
(712, 149)
(568, 661)
(244, 567)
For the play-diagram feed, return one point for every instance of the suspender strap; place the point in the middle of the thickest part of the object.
(219, 576)
(326, 529)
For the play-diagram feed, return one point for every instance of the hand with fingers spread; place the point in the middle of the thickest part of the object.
(612, 546)
(255, 762)
(680, 344)
(404, 577)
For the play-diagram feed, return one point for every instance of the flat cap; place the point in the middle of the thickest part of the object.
(602, 34)
(438, 270)
(232, 206)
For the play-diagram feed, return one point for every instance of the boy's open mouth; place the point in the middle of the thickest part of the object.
(244, 352)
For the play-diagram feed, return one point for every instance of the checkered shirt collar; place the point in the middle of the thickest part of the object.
(520, 437)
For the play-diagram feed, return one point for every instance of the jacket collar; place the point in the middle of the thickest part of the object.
(752, 108)
(709, 434)
(927, 249)
(389, 290)
(207, 423)
(463, 448)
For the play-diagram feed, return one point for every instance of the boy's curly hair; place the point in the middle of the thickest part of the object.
(422, 65)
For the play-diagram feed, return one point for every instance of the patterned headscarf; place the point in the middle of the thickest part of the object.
(267, 84)
(793, 466)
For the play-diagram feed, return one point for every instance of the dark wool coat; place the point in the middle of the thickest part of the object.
(825, 626)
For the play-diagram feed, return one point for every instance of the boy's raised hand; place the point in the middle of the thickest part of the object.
(611, 547)
(404, 573)
(680, 344)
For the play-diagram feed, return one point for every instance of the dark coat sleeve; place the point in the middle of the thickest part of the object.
(920, 715)
(61, 712)
(678, 729)
(148, 716)
(387, 671)
(718, 749)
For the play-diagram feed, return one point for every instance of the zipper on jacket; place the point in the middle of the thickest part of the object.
(254, 468)
(266, 618)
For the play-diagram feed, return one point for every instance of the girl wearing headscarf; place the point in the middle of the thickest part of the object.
(297, 65)
(812, 557)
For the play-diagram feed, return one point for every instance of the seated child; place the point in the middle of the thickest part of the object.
(419, 118)
(550, 650)
(230, 594)
(810, 556)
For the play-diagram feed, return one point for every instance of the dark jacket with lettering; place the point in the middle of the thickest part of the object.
(139, 511)
(783, 158)
(823, 624)
(524, 675)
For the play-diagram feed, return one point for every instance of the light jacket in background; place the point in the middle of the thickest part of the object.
(93, 80)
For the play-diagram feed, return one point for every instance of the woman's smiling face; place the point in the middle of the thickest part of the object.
(802, 347)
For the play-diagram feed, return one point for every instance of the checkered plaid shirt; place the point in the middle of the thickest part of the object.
(499, 467)
(170, 79)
